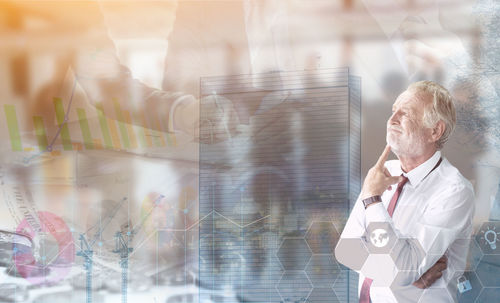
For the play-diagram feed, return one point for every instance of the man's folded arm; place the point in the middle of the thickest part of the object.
(438, 228)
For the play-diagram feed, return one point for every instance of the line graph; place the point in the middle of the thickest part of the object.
(127, 131)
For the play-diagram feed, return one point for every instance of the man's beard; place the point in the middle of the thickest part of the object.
(406, 145)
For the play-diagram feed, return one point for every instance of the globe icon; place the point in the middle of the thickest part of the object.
(379, 237)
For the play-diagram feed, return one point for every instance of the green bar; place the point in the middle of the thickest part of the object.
(121, 125)
(156, 137)
(130, 128)
(40, 133)
(165, 129)
(66, 140)
(104, 126)
(15, 137)
(84, 126)
(142, 136)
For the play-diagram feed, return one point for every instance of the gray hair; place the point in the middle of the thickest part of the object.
(442, 108)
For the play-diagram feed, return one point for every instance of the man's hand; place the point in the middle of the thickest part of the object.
(434, 273)
(378, 178)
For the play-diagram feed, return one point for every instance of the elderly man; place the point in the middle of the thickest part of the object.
(420, 200)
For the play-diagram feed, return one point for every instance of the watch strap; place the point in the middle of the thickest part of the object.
(371, 200)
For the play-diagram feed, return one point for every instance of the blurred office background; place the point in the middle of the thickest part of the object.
(191, 126)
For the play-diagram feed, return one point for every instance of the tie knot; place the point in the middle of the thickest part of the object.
(403, 182)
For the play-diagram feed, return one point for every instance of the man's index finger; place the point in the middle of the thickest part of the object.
(383, 157)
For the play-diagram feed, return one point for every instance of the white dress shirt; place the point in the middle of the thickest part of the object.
(436, 208)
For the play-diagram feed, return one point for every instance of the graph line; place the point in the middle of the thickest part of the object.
(59, 129)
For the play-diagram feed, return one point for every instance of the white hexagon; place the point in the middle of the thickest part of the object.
(379, 268)
(380, 237)
(403, 290)
(351, 252)
(405, 261)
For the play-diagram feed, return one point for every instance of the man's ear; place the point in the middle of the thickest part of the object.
(438, 130)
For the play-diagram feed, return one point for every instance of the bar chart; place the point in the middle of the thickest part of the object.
(83, 132)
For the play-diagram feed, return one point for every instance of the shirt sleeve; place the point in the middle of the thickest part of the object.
(441, 223)
(355, 225)
(350, 249)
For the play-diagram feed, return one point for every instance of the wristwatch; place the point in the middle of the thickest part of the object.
(371, 200)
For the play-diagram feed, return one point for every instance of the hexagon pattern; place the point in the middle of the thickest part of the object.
(351, 252)
(488, 238)
(429, 295)
(467, 287)
(294, 253)
(474, 256)
(380, 237)
(372, 269)
(406, 262)
(402, 289)
(319, 295)
(489, 295)
(322, 270)
(340, 285)
(488, 271)
(294, 286)
(322, 237)
(439, 286)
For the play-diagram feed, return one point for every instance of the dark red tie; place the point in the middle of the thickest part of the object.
(364, 295)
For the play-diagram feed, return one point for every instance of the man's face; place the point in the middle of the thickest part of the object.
(406, 133)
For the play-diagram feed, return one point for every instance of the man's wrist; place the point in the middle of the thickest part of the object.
(371, 200)
(368, 193)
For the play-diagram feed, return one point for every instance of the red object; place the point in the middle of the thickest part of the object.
(394, 200)
(364, 295)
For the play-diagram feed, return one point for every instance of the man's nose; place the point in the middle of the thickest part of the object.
(393, 119)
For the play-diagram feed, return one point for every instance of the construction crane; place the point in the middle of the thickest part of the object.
(122, 247)
(87, 252)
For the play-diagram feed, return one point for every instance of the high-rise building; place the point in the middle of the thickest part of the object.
(279, 172)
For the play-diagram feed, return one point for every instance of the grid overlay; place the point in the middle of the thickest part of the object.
(279, 167)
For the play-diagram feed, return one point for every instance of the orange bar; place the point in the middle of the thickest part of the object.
(97, 143)
(77, 146)
(130, 129)
(113, 129)
(171, 139)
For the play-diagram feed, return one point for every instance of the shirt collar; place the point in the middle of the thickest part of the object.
(416, 175)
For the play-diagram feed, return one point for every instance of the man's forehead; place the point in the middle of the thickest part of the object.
(408, 99)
